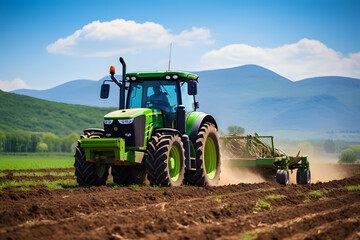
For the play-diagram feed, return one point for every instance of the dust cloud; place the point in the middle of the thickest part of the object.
(235, 175)
(327, 172)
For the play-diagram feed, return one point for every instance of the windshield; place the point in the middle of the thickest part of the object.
(153, 94)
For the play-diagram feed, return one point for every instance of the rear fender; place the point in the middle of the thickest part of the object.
(195, 121)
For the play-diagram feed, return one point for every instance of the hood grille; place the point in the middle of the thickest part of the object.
(133, 133)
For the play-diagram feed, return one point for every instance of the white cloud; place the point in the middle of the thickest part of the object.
(304, 59)
(102, 39)
(17, 83)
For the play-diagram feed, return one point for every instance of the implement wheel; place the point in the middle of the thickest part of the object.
(303, 177)
(165, 164)
(208, 160)
(87, 173)
(282, 177)
(127, 175)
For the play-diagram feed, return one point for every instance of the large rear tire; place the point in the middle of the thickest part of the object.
(87, 173)
(165, 164)
(208, 159)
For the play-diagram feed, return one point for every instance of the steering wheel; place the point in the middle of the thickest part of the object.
(163, 105)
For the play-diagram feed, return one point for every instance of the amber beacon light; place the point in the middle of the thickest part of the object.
(112, 70)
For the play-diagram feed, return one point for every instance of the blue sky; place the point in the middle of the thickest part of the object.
(47, 43)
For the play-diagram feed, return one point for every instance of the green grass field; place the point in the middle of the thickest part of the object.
(52, 185)
(18, 161)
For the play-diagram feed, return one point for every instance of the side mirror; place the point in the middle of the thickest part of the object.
(104, 92)
(192, 88)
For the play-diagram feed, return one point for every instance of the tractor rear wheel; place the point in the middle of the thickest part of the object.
(87, 173)
(165, 164)
(208, 159)
(127, 175)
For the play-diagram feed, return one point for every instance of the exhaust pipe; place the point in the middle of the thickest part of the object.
(122, 88)
(121, 84)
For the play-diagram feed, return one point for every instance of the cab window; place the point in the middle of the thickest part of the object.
(153, 94)
(187, 100)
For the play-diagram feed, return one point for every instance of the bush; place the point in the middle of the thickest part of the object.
(347, 156)
(42, 147)
(235, 129)
(356, 149)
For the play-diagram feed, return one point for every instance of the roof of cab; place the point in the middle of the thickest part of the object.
(174, 76)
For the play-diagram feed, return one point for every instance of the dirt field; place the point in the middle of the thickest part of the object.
(322, 210)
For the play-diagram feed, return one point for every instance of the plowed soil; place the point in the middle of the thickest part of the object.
(322, 210)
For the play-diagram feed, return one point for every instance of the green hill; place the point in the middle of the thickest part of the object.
(19, 112)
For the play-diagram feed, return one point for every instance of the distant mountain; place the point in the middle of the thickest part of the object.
(261, 100)
(247, 80)
(85, 92)
(343, 88)
(251, 96)
(36, 115)
(317, 113)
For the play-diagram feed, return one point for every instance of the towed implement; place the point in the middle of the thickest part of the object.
(157, 135)
(259, 152)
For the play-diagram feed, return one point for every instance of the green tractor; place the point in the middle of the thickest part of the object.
(156, 135)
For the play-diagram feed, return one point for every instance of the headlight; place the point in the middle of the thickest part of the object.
(127, 78)
(167, 77)
(108, 121)
(175, 77)
(126, 121)
(133, 78)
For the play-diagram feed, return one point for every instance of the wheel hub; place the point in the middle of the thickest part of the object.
(174, 163)
(171, 163)
(210, 158)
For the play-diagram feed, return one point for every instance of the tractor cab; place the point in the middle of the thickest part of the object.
(164, 91)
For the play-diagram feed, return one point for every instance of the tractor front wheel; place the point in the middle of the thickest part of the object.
(208, 160)
(87, 173)
(165, 164)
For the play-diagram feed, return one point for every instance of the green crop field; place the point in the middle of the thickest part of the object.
(36, 161)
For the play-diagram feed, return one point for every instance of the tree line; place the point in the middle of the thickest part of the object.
(23, 141)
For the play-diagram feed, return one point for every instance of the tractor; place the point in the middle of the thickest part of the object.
(156, 136)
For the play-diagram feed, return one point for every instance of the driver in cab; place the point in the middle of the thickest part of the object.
(159, 99)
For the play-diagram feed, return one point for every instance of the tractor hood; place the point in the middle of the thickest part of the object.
(132, 113)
